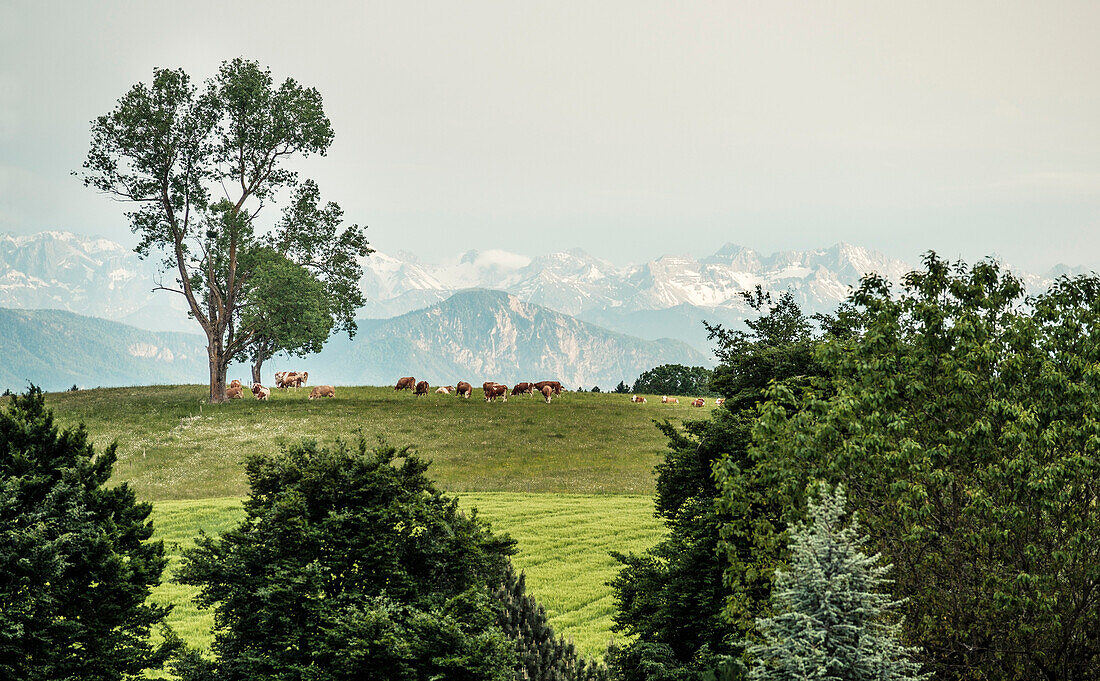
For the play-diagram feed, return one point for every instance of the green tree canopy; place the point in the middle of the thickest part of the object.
(349, 564)
(169, 147)
(674, 379)
(963, 420)
(76, 563)
(673, 597)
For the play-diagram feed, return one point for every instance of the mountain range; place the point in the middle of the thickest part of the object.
(490, 313)
(475, 335)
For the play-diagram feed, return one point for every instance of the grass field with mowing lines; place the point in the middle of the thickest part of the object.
(563, 543)
(172, 446)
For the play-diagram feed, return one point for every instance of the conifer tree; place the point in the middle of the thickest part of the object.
(833, 618)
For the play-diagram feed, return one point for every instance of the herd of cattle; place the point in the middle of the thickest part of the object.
(491, 389)
(283, 379)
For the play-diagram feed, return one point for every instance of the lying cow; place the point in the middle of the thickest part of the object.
(547, 392)
(637, 399)
(322, 391)
(406, 383)
(495, 390)
(698, 402)
(464, 389)
(260, 392)
(235, 383)
(421, 388)
(720, 401)
(669, 400)
(523, 389)
(445, 390)
(234, 392)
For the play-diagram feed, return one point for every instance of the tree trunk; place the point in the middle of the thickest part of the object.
(217, 371)
(256, 371)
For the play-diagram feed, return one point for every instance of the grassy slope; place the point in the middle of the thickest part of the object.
(171, 446)
(563, 545)
(570, 481)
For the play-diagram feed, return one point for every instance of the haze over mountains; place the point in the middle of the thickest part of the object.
(544, 318)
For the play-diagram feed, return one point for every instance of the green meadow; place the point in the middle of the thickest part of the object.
(571, 481)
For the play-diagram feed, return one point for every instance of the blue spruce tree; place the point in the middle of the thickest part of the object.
(834, 620)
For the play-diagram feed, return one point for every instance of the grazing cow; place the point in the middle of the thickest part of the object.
(495, 390)
(235, 383)
(421, 388)
(234, 392)
(556, 385)
(406, 383)
(698, 402)
(260, 392)
(547, 392)
(720, 401)
(637, 399)
(445, 390)
(523, 389)
(322, 391)
(669, 400)
(464, 389)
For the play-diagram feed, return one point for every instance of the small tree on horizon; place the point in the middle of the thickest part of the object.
(833, 619)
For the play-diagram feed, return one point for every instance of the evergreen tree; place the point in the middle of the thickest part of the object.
(622, 388)
(540, 655)
(76, 563)
(832, 619)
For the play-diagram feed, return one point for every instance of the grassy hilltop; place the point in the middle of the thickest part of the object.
(570, 481)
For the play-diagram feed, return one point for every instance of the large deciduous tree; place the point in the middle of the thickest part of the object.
(673, 598)
(76, 563)
(170, 147)
(964, 421)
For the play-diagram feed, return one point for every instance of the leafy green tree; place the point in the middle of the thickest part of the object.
(674, 379)
(962, 420)
(673, 598)
(350, 565)
(76, 563)
(288, 310)
(595, 389)
(169, 147)
(622, 388)
(833, 618)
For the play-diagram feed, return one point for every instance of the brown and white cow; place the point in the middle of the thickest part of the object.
(547, 392)
(637, 399)
(406, 383)
(495, 390)
(464, 389)
(556, 385)
(698, 402)
(720, 401)
(235, 383)
(260, 393)
(444, 390)
(322, 391)
(234, 392)
(669, 400)
(421, 388)
(523, 389)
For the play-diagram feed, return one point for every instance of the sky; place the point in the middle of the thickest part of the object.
(628, 129)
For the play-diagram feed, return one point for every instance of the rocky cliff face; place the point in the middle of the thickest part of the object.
(480, 335)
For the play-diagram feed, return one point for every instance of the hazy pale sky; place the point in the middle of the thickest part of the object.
(629, 129)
